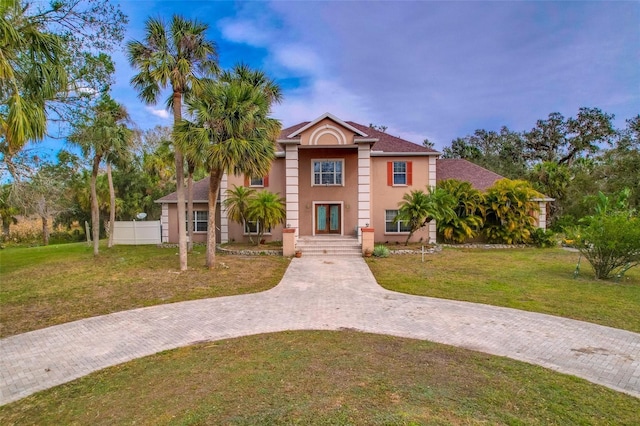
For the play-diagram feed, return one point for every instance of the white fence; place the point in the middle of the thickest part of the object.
(136, 233)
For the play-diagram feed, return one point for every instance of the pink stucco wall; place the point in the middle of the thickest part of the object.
(385, 197)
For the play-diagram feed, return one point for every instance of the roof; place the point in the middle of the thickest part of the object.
(453, 168)
(385, 143)
(200, 193)
(322, 117)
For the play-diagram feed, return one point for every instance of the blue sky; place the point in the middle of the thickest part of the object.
(436, 70)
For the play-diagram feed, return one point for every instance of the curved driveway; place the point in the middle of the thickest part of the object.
(318, 294)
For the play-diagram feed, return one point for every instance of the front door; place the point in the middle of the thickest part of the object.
(327, 219)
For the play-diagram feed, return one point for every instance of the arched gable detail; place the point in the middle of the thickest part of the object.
(327, 129)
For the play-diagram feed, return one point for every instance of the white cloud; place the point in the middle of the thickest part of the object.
(162, 113)
(243, 32)
(298, 58)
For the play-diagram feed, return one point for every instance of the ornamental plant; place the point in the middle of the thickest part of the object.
(509, 206)
(610, 238)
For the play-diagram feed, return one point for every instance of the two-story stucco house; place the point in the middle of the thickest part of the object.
(337, 177)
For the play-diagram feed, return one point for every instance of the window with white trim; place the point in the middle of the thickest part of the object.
(399, 172)
(256, 181)
(253, 227)
(200, 220)
(327, 172)
(391, 226)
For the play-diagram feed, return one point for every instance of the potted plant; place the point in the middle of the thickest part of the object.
(368, 253)
(298, 253)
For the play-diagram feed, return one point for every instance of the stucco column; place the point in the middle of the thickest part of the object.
(364, 188)
(432, 184)
(291, 188)
(224, 219)
(542, 217)
(164, 223)
(367, 239)
(288, 241)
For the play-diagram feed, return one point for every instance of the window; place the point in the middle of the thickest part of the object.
(200, 221)
(256, 181)
(327, 172)
(394, 227)
(399, 173)
(252, 227)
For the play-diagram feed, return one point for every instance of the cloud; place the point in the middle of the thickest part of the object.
(243, 31)
(298, 58)
(162, 113)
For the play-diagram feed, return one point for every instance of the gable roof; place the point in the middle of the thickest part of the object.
(200, 193)
(385, 142)
(322, 117)
(460, 169)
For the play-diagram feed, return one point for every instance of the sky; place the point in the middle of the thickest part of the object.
(436, 70)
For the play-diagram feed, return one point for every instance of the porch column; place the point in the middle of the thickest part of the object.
(364, 187)
(432, 184)
(291, 187)
(542, 217)
(224, 219)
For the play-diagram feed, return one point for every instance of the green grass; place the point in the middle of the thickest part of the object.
(44, 286)
(327, 378)
(539, 280)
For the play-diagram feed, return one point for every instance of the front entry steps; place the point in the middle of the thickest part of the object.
(329, 246)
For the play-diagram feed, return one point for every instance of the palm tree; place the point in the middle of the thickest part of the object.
(103, 137)
(237, 204)
(232, 131)
(419, 208)
(31, 73)
(255, 78)
(267, 210)
(469, 211)
(177, 56)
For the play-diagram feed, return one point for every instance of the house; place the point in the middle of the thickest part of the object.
(338, 178)
(482, 179)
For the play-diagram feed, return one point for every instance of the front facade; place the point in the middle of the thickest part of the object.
(337, 177)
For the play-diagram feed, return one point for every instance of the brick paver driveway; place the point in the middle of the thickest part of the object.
(318, 294)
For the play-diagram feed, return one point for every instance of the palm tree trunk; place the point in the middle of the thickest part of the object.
(182, 228)
(95, 212)
(406, 243)
(215, 177)
(112, 205)
(190, 169)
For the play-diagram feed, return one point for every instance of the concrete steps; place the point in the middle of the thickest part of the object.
(329, 246)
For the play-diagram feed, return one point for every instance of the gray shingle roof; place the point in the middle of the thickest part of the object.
(479, 177)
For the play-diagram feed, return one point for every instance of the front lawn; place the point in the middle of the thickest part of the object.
(336, 378)
(44, 286)
(539, 280)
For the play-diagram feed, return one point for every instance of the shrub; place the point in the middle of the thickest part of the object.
(510, 205)
(469, 210)
(610, 239)
(381, 251)
(543, 238)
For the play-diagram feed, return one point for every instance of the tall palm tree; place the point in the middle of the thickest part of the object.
(418, 208)
(103, 137)
(31, 73)
(267, 210)
(233, 132)
(237, 204)
(177, 56)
